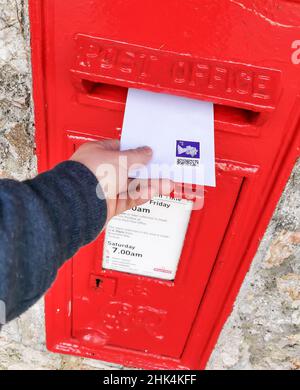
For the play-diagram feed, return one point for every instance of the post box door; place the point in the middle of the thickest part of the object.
(115, 309)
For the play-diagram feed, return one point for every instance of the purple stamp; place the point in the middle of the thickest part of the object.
(188, 149)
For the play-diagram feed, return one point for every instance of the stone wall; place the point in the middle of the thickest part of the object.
(263, 331)
(264, 328)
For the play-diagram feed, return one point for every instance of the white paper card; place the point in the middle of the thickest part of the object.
(179, 130)
(148, 240)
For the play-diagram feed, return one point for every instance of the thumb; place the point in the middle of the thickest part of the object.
(140, 155)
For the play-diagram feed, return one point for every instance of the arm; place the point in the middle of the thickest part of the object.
(43, 222)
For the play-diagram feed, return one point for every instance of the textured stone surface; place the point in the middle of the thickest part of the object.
(264, 328)
(16, 127)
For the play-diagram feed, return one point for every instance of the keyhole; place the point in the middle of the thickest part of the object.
(98, 283)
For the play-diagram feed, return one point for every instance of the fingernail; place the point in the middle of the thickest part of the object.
(146, 150)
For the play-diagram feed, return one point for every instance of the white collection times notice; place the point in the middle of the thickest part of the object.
(148, 240)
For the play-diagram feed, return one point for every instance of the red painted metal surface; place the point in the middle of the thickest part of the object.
(237, 54)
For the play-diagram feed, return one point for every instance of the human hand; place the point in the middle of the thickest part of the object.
(111, 168)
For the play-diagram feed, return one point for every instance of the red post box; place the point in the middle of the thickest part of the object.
(238, 55)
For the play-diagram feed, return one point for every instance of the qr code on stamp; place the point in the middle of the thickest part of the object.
(188, 162)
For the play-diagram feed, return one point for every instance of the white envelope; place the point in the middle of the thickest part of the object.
(179, 130)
